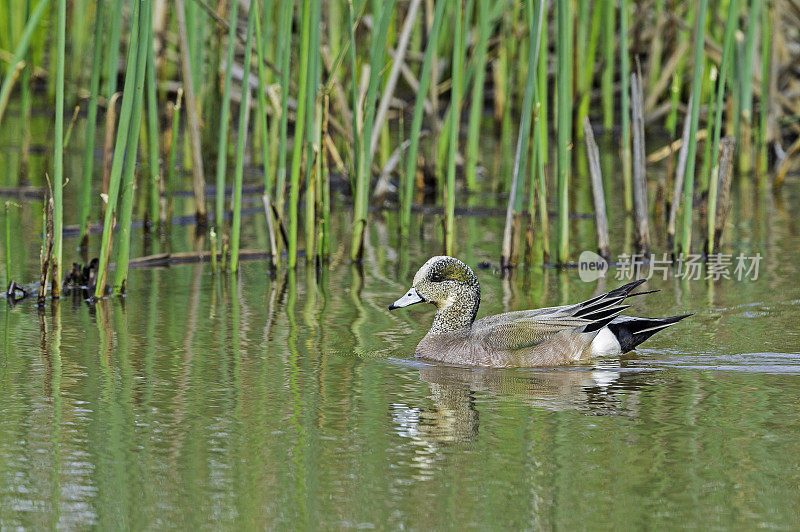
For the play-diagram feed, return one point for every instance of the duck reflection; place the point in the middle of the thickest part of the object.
(451, 417)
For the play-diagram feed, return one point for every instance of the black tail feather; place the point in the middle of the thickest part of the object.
(605, 307)
(631, 331)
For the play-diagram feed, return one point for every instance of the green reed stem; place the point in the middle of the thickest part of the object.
(364, 158)
(746, 80)
(313, 128)
(299, 132)
(731, 25)
(607, 81)
(152, 136)
(19, 54)
(126, 202)
(586, 71)
(476, 103)
(58, 154)
(697, 80)
(407, 190)
(455, 122)
(625, 98)
(676, 86)
(120, 146)
(91, 125)
(112, 58)
(241, 141)
(285, 40)
(523, 139)
(564, 87)
(222, 144)
(261, 98)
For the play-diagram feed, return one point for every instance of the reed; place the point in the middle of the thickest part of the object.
(299, 133)
(25, 107)
(534, 17)
(697, 80)
(564, 118)
(222, 143)
(153, 151)
(640, 211)
(363, 158)
(14, 66)
(731, 25)
(745, 78)
(476, 102)
(607, 80)
(313, 133)
(455, 106)
(58, 153)
(600, 216)
(763, 106)
(127, 187)
(120, 146)
(193, 123)
(110, 86)
(285, 40)
(407, 188)
(91, 126)
(586, 68)
(241, 141)
(625, 106)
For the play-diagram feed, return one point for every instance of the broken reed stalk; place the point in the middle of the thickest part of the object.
(153, 151)
(625, 111)
(46, 253)
(523, 139)
(607, 81)
(58, 152)
(91, 126)
(639, 166)
(407, 188)
(198, 180)
(364, 161)
(564, 117)
(723, 205)
(600, 217)
(241, 142)
(19, 54)
(126, 202)
(224, 113)
(476, 102)
(454, 123)
(299, 133)
(169, 186)
(697, 80)
(731, 25)
(120, 146)
(324, 243)
(284, 59)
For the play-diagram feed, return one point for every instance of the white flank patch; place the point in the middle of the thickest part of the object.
(605, 343)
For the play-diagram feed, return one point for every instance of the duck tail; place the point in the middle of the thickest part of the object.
(631, 331)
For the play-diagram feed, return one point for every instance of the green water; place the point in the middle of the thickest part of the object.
(295, 401)
(200, 401)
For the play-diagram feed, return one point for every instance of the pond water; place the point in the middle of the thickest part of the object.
(294, 401)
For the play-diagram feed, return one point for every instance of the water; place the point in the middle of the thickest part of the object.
(295, 402)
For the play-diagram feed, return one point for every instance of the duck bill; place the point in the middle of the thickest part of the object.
(410, 298)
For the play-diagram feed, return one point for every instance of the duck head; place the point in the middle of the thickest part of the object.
(451, 286)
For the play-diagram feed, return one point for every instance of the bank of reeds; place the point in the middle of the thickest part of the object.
(338, 81)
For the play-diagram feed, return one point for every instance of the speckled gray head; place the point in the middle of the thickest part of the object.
(449, 284)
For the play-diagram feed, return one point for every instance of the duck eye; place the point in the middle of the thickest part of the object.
(437, 278)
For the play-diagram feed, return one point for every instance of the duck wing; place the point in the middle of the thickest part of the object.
(518, 330)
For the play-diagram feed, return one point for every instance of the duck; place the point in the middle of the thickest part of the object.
(552, 336)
